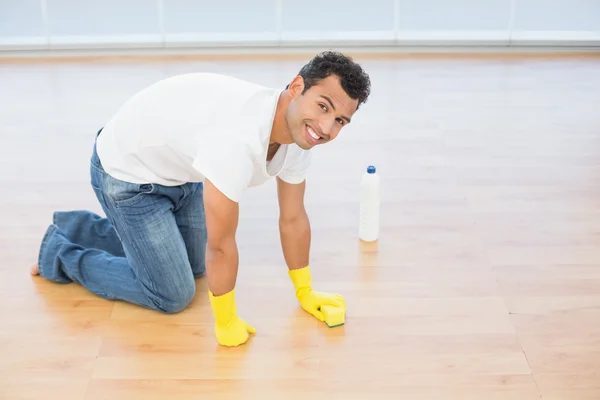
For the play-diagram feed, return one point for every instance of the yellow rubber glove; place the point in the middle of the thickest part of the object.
(230, 329)
(310, 300)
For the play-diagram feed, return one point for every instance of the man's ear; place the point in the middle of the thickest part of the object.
(296, 86)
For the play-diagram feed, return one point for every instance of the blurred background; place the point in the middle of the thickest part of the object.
(113, 24)
(487, 272)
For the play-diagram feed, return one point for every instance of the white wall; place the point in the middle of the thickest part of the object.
(48, 24)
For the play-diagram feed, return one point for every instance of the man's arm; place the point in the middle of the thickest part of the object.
(222, 216)
(294, 228)
(294, 225)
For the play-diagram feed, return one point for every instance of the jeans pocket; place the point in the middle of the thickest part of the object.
(125, 194)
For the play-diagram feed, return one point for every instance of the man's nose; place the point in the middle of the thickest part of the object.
(327, 127)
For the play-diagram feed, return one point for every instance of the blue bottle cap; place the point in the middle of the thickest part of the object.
(371, 169)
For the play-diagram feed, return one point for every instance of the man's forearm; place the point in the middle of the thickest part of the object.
(222, 266)
(295, 240)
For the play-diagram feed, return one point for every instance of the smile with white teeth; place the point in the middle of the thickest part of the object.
(312, 133)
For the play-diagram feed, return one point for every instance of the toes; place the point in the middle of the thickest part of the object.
(34, 270)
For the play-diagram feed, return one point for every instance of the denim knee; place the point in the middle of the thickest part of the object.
(176, 299)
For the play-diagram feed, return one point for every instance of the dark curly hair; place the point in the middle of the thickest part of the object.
(354, 80)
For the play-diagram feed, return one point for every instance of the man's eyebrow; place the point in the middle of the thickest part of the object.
(332, 106)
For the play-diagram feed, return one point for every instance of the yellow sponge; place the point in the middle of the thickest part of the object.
(334, 316)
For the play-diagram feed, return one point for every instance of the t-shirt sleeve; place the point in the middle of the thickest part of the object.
(295, 169)
(227, 167)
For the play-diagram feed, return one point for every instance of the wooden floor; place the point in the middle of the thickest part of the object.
(485, 283)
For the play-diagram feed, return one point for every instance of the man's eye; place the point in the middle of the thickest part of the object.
(323, 106)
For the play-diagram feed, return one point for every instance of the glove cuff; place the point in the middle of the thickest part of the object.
(302, 280)
(223, 307)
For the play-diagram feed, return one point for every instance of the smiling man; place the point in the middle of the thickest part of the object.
(169, 169)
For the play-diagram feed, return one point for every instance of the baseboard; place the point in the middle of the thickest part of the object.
(301, 44)
(286, 40)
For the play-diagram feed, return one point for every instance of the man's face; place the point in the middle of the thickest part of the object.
(317, 116)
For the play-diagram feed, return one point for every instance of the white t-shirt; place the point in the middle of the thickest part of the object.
(194, 126)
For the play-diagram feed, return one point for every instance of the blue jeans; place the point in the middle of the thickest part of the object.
(148, 251)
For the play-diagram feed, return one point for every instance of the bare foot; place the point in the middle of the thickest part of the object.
(35, 270)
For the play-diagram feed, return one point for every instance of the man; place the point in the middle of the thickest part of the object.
(169, 170)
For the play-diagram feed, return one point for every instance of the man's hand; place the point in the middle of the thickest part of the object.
(230, 329)
(222, 265)
(310, 300)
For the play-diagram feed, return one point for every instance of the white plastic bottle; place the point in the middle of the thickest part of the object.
(369, 206)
